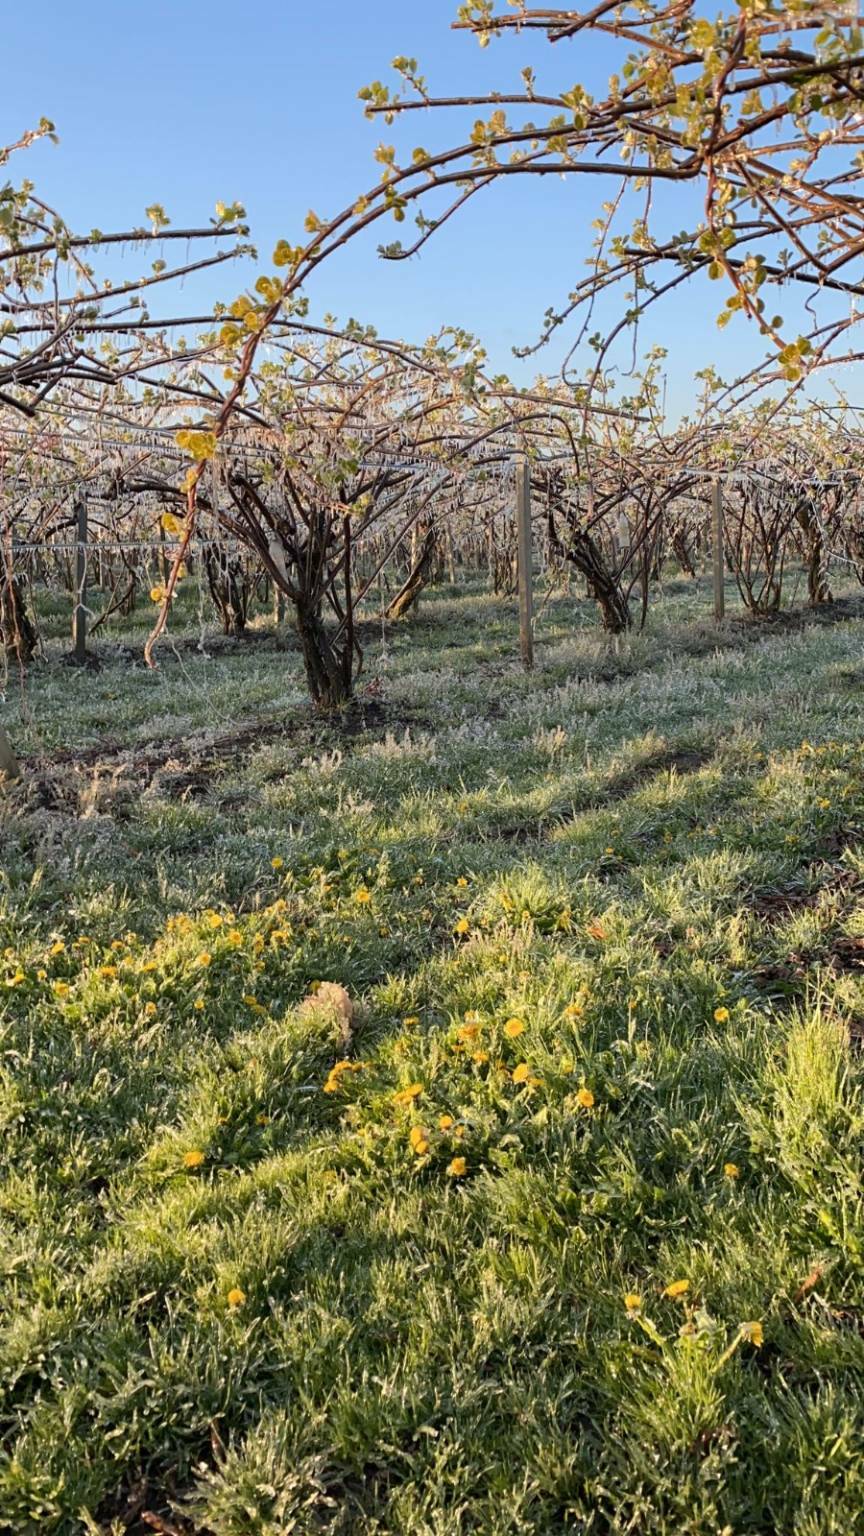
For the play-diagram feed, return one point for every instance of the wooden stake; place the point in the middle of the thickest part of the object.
(526, 592)
(717, 549)
(79, 612)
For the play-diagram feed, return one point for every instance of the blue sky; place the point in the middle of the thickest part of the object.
(185, 102)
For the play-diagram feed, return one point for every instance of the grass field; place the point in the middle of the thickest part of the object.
(564, 1231)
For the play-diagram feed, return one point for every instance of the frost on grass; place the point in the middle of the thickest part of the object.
(438, 1128)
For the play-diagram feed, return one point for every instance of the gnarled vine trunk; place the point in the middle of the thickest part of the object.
(17, 630)
(328, 666)
(417, 578)
(228, 589)
(586, 554)
(818, 590)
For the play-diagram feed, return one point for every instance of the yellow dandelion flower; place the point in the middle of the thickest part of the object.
(150, 1010)
(406, 1096)
(721, 1015)
(463, 926)
(573, 1011)
(481, 1057)
(731, 1170)
(445, 1123)
(108, 971)
(457, 1168)
(753, 1333)
(461, 882)
(677, 1288)
(468, 1031)
(277, 863)
(61, 988)
(236, 1297)
(513, 1028)
(632, 1301)
(203, 960)
(193, 1159)
(198, 1004)
(57, 947)
(585, 1098)
(521, 1073)
(362, 895)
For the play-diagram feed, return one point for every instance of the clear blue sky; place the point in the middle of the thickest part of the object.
(185, 102)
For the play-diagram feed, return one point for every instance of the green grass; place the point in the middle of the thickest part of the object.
(656, 853)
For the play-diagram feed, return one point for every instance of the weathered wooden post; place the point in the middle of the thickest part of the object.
(717, 549)
(79, 612)
(523, 532)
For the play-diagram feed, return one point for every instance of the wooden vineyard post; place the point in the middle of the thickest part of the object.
(523, 528)
(717, 549)
(79, 612)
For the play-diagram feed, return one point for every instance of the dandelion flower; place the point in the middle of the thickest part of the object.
(461, 882)
(198, 1004)
(203, 960)
(457, 1168)
(362, 895)
(236, 1297)
(677, 1288)
(513, 1028)
(445, 1123)
(463, 926)
(419, 1140)
(753, 1333)
(632, 1301)
(521, 1073)
(277, 863)
(573, 1011)
(193, 1159)
(731, 1170)
(57, 947)
(585, 1098)
(721, 1015)
(61, 988)
(406, 1096)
